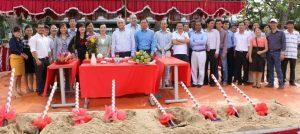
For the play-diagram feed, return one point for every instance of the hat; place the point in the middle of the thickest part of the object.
(274, 20)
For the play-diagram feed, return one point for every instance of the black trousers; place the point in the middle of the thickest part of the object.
(230, 64)
(213, 62)
(292, 69)
(124, 54)
(183, 57)
(41, 72)
(241, 62)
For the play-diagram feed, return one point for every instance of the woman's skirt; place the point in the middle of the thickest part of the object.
(17, 62)
(258, 62)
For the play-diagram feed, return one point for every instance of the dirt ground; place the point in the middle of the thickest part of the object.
(146, 121)
(31, 105)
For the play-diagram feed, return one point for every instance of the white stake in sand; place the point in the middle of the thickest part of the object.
(243, 94)
(111, 112)
(10, 90)
(260, 108)
(77, 96)
(204, 110)
(162, 109)
(195, 102)
(228, 100)
(49, 100)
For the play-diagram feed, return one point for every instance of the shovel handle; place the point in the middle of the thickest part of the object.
(171, 123)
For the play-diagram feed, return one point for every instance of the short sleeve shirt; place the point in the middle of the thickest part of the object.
(182, 48)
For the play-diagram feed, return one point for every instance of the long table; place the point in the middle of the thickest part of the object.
(96, 80)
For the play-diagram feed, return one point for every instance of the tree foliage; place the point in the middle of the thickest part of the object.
(263, 10)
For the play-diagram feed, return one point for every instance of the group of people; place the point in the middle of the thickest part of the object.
(240, 51)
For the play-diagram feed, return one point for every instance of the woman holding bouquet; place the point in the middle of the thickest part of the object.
(104, 42)
(61, 44)
(62, 41)
(79, 42)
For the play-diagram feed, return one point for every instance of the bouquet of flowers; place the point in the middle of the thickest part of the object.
(141, 57)
(63, 58)
(92, 44)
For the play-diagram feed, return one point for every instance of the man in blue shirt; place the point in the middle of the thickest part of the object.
(198, 41)
(230, 51)
(277, 45)
(144, 38)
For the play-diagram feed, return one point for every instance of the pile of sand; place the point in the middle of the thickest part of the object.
(145, 122)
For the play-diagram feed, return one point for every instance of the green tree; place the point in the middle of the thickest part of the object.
(4, 27)
(263, 10)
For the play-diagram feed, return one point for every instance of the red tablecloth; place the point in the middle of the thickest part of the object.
(95, 80)
(184, 71)
(4, 58)
(52, 71)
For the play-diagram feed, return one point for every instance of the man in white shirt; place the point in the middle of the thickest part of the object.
(133, 26)
(164, 42)
(212, 52)
(186, 27)
(242, 43)
(40, 48)
(72, 30)
(290, 55)
(180, 39)
(123, 42)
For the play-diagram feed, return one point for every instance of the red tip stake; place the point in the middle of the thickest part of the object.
(261, 109)
(41, 122)
(208, 113)
(80, 116)
(166, 119)
(231, 111)
(109, 115)
(4, 115)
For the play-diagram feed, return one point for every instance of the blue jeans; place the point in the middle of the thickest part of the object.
(273, 60)
(224, 67)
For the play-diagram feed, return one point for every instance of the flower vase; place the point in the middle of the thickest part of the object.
(93, 59)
